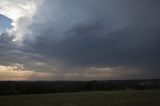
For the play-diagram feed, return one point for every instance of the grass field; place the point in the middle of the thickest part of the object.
(99, 98)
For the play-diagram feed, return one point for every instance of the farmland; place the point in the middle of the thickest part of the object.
(93, 98)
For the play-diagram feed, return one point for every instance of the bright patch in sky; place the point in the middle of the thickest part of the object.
(18, 72)
(21, 13)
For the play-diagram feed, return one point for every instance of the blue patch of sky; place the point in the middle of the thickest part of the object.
(4, 23)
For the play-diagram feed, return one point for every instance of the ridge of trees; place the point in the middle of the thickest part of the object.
(39, 87)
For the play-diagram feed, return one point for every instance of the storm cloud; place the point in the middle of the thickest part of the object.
(90, 39)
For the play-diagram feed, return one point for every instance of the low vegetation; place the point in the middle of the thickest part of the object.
(97, 98)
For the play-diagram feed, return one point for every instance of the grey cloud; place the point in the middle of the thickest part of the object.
(116, 48)
(72, 35)
(101, 33)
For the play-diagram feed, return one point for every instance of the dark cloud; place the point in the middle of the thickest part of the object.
(117, 48)
(93, 40)
(78, 34)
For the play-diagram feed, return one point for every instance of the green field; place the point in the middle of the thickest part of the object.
(99, 98)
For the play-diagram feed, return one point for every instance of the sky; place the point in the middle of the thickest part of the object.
(79, 39)
(5, 23)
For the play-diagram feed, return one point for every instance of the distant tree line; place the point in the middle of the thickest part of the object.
(39, 87)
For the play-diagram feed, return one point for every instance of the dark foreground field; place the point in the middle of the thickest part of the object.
(99, 98)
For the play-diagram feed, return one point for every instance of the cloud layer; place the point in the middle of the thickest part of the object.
(86, 39)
